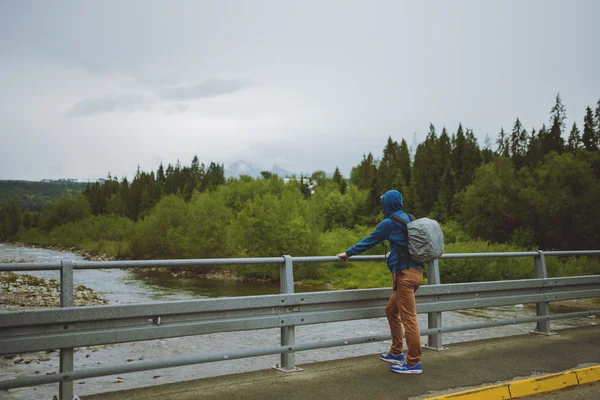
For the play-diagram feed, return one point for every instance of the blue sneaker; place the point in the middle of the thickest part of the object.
(406, 369)
(393, 358)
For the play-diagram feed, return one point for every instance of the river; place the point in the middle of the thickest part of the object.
(123, 287)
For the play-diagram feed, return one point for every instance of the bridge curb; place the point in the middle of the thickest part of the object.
(528, 387)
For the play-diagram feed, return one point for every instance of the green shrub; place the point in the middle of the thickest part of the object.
(484, 269)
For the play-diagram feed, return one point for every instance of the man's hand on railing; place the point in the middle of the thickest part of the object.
(343, 256)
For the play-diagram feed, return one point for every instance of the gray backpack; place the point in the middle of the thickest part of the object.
(425, 238)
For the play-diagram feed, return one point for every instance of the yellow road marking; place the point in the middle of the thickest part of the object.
(527, 387)
(587, 375)
(498, 392)
(543, 384)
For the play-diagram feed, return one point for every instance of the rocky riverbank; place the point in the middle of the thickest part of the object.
(87, 255)
(29, 291)
(171, 272)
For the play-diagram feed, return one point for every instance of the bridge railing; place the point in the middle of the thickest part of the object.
(70, 327)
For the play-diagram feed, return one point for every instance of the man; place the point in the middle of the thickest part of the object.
(406, 278)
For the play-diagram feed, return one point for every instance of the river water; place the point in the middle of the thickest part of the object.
(123, 287)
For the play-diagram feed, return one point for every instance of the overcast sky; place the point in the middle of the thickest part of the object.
(91, 87)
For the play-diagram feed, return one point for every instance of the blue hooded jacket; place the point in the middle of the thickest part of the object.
(390, 230)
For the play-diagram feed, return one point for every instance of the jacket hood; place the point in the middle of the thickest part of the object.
(391, 202)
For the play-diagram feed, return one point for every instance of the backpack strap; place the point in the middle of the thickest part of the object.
(404, 254)
(402, 221)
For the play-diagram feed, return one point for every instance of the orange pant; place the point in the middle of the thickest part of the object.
(402, 309)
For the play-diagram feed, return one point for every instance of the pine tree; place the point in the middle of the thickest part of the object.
(554, 141)
(161, 181)
(574, 140)
(458, 150)
(215, 175)
(431, 134)
(411, 198)
(487, 154)
(443, 154)
(196, 173)
(444, 150)
(160, 175)
(532, 150)
(518, 145)
(110, 188)
(473, 155)
(94, 195)
(515, 138)
(404, 162)
(150, 195)
(169, 181)
(589, 131)
(466, 157)
(339, 180)
(503, 144)
(389, 170)
(523, 142)
(597, 136)
(124, 192)
(558, 113)
(426, 175)
(141, 198)
(442, 209)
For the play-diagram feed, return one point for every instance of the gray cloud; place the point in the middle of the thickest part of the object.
(180, 94)
(110, 103)
(209, 88)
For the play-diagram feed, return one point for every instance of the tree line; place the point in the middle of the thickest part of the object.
(534, 189)
(35, 195)
(22, 201)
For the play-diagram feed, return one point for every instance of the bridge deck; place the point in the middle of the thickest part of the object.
(465, 365)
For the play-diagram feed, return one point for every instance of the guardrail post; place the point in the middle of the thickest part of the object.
(542, 307)
(65, 389)
(288, 333)
(434, 319)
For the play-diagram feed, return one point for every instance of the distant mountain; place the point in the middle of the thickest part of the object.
(282, 173)
(240, 168)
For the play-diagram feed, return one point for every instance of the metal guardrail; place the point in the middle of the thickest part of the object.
(69, 327)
